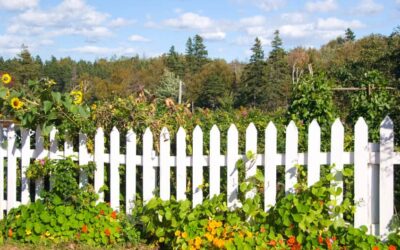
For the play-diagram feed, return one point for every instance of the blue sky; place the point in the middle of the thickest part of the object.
(92, 29)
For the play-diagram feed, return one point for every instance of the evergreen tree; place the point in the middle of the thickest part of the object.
(253, 79)
(276, 44)
(27, 68)
(199, 52)
(174, 62)
(349, 35)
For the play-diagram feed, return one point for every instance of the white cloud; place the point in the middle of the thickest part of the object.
(138, 38)
(120, 22)
(321, 6)
(103, 51)
(266, 5)
(18, 4)
(368, 7)
(333, 23)
(252, 21)
(297, 30)
(213, 36)
(293, 17)
(190, 20)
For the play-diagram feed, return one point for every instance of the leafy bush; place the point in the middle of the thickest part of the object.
(66, 212)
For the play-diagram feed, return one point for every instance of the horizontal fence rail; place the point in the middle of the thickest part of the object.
(373, 166)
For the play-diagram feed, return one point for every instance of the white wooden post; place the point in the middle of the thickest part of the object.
(53, 149)
(386, 186)
(11, 168)
(291, 158)
(3, 154)
(149, 173)
(337, 145)
(25, 161)
(270, 166)
(130, 174)
(362, 184)
(114, 169)
(215, 167)
(83, 159)
(181, 164)
(233, 177)
(314, 152)
(251, 147)
(165, 153)
(99, 161)
(40, 154)
(197, 166)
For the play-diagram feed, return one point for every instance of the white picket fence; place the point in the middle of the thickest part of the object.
(373, 165)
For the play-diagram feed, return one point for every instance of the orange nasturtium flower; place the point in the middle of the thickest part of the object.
(107, 232)
(391, 247)
(16, 103)
(114, 214)
(6, 78)
(78, 96)
(84, 229)
(10, 233)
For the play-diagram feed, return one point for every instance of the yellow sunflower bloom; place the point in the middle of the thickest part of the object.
(78, 96)
(16, 103)
(6, 78)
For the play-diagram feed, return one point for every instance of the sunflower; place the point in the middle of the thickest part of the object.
(77, 95)
(16, 103)
(6, 78)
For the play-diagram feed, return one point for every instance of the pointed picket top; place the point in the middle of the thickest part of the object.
(130, 135)
(11, 130)
(337, 124)
(197, 131)
(232, 131)
(53, 142)
(215, 152)
(99, 133)
(314, 150)
(386, 175)
(181, 130)
(164, 135)
(114, 130)
(271, 128)
(361, 124)
(147, 133)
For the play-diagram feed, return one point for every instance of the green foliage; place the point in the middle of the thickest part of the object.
(66, 213)
(169, 86)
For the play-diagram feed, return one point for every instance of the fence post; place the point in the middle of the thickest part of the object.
(130, 175)
(215, 167)
(337, 144)
(386, 186)
(114, 169)
(314, 153)
(251, 146)
(11, 169)
(232, 173)
(362, 185)
(99, 161)
(270, 166)
(149, 173)
(181, 164)
(291, 158)
(25, 161)
(165, 153)
(197, 166)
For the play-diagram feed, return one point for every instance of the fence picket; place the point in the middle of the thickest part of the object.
(361, 179)
(83, 159)
(130, 175)
(270, 166)
(314, 152)
(25, 161)
(53, 148)
(165, 149)
(197, 166)
(11, 168)
(149, 172)
(181, 164)
(114, 168)
(68, 146)
(99, 161)
(386, 185)
(251, 149)
(291, 158)
(3, 154)
(232, 173)
(215, 168)
(39, 153)
(337, 145)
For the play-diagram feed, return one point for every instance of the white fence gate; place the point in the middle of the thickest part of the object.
(373, 165)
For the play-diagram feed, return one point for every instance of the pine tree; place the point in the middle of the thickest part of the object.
(253, 79)
(276, 44)
(174, 62)
(349, 35)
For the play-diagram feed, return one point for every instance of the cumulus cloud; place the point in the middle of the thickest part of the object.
(189, 20)
(321, 6)
(297, 30)
(101, 51)
(18, 4)
(293, 17)
(333, 23)
(266, 5)
(213, 35)
(252, 21)
(120, 22)
(138, 38)
(368, 7)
